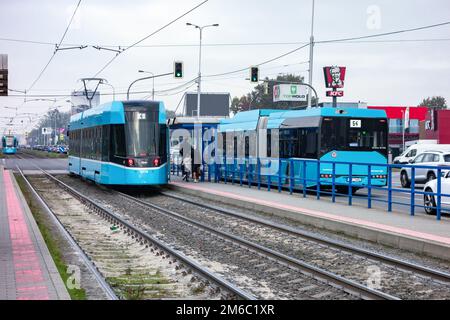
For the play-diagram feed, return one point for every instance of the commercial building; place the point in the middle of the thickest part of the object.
(436, 126)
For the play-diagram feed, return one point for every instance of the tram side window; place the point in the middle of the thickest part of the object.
(118, 147)
(163, 142)
(105, 143)
(308, 139)
(247, 146)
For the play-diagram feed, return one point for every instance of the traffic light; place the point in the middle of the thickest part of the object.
(3, 82)
(178, 69)
(254, 74)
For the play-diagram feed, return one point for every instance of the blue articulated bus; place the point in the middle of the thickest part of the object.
(120, 143)
(326, 145)
(9, 144)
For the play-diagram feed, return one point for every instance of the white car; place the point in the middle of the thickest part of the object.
(429, 200)
(412, 151)
(423, 175)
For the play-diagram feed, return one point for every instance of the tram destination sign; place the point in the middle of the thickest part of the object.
(289, 92)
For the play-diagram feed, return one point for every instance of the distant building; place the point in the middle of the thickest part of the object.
(436, 126)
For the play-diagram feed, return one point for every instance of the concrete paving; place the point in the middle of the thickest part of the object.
(420, 234)
(27, 271)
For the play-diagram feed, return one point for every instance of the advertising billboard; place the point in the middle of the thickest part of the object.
(289, 92)
(334, 76)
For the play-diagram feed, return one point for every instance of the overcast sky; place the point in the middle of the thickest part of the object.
(379, 73)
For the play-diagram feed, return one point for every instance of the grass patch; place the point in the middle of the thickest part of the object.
(45, 154)
(51, 242)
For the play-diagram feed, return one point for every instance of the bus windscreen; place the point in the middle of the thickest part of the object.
(353, 135)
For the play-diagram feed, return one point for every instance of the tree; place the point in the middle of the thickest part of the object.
(257, 99)
(436, 103)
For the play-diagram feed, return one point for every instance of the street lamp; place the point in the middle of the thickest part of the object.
(153, 90)
(199, 80)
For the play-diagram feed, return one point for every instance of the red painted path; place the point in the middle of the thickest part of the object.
(30, 282)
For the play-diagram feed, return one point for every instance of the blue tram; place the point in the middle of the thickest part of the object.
(298, 138)
(9, 144)
(120, 143)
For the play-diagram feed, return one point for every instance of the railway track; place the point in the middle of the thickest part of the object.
(397, 277)
(287, 277)
(124, 261)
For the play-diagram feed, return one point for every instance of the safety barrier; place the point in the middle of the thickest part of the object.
(376, 182)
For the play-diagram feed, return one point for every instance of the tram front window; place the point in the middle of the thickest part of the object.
(9, 142)
(142, 134)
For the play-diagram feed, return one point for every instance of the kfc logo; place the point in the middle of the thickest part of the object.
(334, 77)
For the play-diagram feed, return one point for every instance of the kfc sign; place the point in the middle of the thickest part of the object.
(334, 76)
(335, 93)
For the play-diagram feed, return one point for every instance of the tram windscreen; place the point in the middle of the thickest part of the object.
(9, 141)
(142, 133)
(354, 135)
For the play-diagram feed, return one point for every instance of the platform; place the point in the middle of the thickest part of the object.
(27, 270)
(420, 234)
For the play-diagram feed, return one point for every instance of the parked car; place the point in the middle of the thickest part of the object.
(429, 199)
(412, 151)
(423, 175)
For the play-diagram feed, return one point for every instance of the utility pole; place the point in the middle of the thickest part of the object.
(199, 79)
(311, 56)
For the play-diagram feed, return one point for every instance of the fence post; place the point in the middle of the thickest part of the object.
(226, 170)
(318, 180)
(413, 190)
(350, 181)
(439, 198)
(304, 178)
(389, 188)
(209, 171)
(250, 173)
(269, 177)
(291, 176)
(240, 174)
(333, 182)
(258, 164)
(369, 191)
(279, 174)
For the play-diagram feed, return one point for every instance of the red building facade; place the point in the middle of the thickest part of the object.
(436, 126)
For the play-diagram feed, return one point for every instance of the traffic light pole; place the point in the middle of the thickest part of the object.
(146, 78)
(199, 80)
(311, 56)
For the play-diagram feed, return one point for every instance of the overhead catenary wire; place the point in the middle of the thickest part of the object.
(57, 46)
(148, 36)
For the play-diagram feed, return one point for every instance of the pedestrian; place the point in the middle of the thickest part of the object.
(196, 164)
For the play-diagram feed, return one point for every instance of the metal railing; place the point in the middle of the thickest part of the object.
(376, 182)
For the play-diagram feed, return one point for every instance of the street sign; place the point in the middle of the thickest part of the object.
(335, 93)
(289, 92)
(46, 131)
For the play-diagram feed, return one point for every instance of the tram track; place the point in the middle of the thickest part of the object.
(288, 277)
(398, 278)
(127, 264)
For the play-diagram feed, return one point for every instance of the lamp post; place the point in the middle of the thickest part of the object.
(199, 79)
(153, 88)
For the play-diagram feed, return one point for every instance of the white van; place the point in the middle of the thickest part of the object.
(416, 149)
